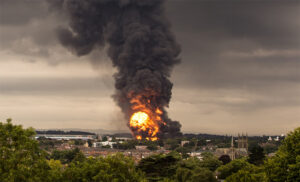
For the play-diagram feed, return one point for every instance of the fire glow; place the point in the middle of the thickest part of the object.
(141, 47)
(144, 123)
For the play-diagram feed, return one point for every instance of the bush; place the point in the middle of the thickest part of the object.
(21, 157)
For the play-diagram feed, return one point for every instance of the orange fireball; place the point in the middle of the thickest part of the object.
(139, 119)
(143, 123)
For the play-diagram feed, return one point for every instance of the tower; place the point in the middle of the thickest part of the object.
(243, 141)
(232, 150)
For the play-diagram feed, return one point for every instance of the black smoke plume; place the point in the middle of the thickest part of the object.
(140, 45)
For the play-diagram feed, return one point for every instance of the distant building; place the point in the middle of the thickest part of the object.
(99, 137)
(66, 137)
(141, 147)
(196, 154)
(233, 152)
(243, 142)
(270, 138)
(123, 138)
(101, 144)
(184, 142)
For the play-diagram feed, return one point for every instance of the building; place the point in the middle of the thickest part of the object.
(196, 154)
(243, 141)
(184, 142)
(141, 147)
(66, 137)
(270, 138)
(100, 144)
(123, 138)
(233, 152)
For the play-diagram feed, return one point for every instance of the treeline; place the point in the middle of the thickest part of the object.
(60, 132)
(22, 160)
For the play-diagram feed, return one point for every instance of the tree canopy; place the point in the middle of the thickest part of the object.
(21, 159)
(285, 165)
(256, 155)
(115, 168)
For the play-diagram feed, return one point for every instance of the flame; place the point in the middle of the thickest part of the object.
(158, 111)
(145, 122)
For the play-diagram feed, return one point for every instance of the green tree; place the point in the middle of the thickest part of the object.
(104, 138)
(225, 159)
(210, 162)
(79, 142)
(190, 170)
(256, 155)
(160, 166)
(285, 165)
(196, 174)
(21, 157)
(172, 144)
(249, 173)
(230, 168)
(67, 156)
(270, 148)
(114, 168)
(152, 146)
(90, 144)
(183, 151)
(126, 145)
(56, 172)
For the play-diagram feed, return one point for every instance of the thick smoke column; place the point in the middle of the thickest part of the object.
(140, 45)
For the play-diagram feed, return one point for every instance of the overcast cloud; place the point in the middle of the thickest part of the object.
(240, 69)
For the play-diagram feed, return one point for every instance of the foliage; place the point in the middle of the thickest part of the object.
(115, 168)
(152, 146)
(56, 172)
(79, 142)
(159, 166)
(256, 155)
(67, 156)
(130, 144)
(23, 160)
(21, 157)
(104, 138)
(249, 173)
(270, 147)
(90, 144)
(106, 146)
(183, 151)
(225, 159)
(232, 167)
(196, 174)
(285, 165)
(210, 161)
(190, 170)
(172, 143)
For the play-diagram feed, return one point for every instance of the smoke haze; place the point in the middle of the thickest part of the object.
(140, 45)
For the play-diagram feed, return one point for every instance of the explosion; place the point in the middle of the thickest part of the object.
(146, 120)
(146, 125)
(141, 46)
(142, 123)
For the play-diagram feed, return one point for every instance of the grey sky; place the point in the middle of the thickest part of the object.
(240, 69)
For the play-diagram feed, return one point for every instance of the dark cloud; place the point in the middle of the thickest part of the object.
(232, 42)
(49, 86)
(20, 12)
(230, 48)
